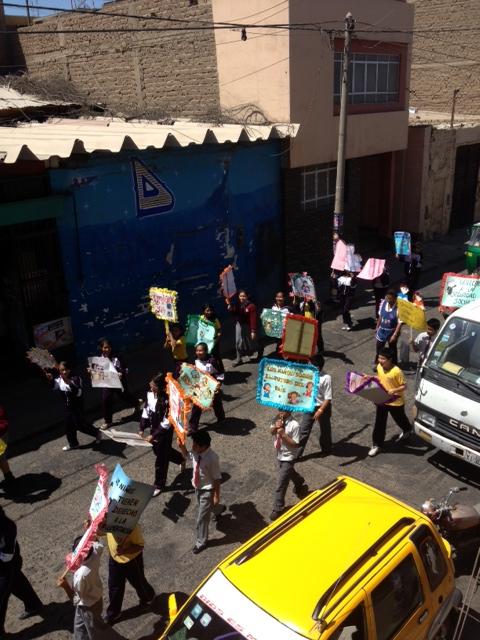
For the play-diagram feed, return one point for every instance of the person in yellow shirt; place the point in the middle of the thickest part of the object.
(392, 378)
(176, 342)
(125, 564)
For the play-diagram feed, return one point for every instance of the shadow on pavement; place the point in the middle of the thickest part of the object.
(236, 377)
(160, 607)
(338, 355)
(31, 488)
(232, 426)
(238, 523)
(456, 468)
(57, 616)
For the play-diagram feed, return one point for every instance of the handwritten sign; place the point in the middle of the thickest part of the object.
(179, 407)
(411, 315)
(287, 385)
(198, 385)
(367, 387)
(457, 290)
(302, 286)
(163, 304)
(299, 338)
(272, 322)
(103, 374)
(200, 330)
(374, 267)
(403, 243)
(227, 283)
(42, 358)
(127, 500)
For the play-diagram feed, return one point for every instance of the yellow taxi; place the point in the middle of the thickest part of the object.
(347, 563)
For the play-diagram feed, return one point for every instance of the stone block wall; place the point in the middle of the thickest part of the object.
(446, 60)
(142, 73)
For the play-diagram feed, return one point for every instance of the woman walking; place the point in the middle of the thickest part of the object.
(245, 313)
(388, 325)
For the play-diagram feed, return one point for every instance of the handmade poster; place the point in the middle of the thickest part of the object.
(340, 257)
(200, 330)
(374, 267)
(353, 262)
(287, 385)
(227, 283)
(179, 407)
(54, 334)
(299, 337)
(368, 387)
(127, 437)
(96, 512)
(127, 500)
(458, 290)
(163, 304)
(42, 358)
(197, 385)
(272, 322)
(302, 286)
(103, 374)
(403, 243)
(411, 315)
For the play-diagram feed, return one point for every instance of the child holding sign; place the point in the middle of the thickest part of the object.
(207, 364)
(176, 342)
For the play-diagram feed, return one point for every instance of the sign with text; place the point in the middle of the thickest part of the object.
(54, 334)
(403, 243)
(287, 385)
(200, 330)
(272, 322)
(457, 290)
(198, 385)
(127, 500)
(411, 315)
(103, 374)
(179, 407)
(163, 304)
(299, 338)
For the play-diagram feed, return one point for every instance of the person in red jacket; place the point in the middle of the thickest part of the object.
(4, 466)
(245, 313)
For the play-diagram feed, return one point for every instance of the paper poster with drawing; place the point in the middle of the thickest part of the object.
(227, 283)
(403, 243)
(302, 286)
(457, 290)
(200, 330)
(412, 315)
(127, 500)
(103, 374)
(42, 358)
(179, 407)
(367, 387)
(163, 304)
(272, 322)
(197, 385)
(287, 385)
(299, 337)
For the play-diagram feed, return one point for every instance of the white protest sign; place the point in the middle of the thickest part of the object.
(103, 373)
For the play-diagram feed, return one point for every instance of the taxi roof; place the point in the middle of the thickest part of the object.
(288, 573)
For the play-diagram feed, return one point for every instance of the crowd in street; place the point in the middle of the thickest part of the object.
(290, 433)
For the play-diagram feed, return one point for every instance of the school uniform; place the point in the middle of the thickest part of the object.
(212, 366)
(72, 394)
(346, 292)
(380, 286)
(325, 420)
(124, 393)
(264, 339)
(245, 323)
(154, 417)
(286, 457)
(218, 329)
(206, 472)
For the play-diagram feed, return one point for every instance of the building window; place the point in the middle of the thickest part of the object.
(373, 79)
(318, 186)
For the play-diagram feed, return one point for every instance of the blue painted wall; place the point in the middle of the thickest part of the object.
(227, 210)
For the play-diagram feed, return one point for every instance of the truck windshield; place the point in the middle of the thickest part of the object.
(456, 352)
(199, 622)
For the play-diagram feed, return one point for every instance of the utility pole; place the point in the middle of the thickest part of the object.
(454, 102)
(342, 132)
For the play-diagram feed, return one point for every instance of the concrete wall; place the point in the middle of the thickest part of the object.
(292, 75)
(446, 61)
(154, 74)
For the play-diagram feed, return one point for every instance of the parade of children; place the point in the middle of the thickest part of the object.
(183, 415)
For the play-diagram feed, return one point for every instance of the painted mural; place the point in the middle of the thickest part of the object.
(219, 205)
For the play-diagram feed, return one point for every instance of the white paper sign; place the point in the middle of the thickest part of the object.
(103, 373)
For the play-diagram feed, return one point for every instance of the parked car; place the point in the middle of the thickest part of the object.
(347, 562)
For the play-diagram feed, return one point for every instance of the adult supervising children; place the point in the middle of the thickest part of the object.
(245, 314)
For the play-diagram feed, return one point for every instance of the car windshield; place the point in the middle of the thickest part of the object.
(199, 622)
(457, 352)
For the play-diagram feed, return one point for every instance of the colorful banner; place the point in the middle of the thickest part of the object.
(457, 290)
(198, 385)
(302, 286)
(367, 387)
(403, 243)
(127, 500)
(103, 374)
(272, 322)
(200, 330)
(96, 512)
(163, 304)
(340, 257)
(374, 267)
(54, 334)
(287, 385)
(42, 358)
(179, 407)
(411, 315)
(227, 283)
(299, 337)
(127, 437)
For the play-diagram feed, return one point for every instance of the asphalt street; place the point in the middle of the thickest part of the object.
(55, 488)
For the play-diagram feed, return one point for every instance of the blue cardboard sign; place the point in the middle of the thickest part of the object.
(127, 499)
(287, 385)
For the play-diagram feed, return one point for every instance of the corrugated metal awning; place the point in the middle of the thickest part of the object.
(62, 137)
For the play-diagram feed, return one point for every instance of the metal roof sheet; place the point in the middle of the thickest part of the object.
(62, 137)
